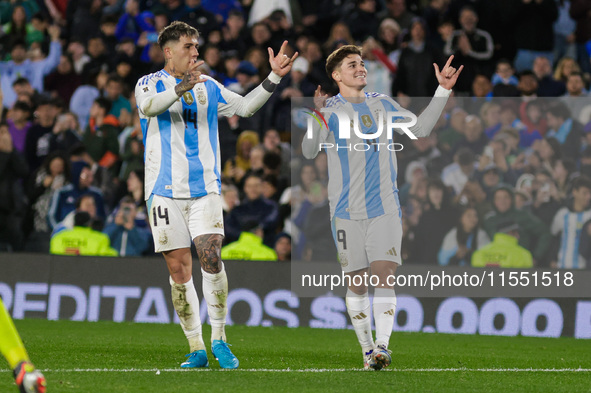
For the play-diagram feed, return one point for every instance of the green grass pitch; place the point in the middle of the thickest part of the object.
(109, 357)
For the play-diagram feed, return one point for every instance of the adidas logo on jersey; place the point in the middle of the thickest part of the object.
(392, 252)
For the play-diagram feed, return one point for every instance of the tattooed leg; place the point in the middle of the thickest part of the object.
(215, 282)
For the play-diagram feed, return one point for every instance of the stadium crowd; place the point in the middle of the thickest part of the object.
(502, 180)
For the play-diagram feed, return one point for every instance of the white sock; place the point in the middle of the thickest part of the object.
(384, 310)
(215, 292)
(186, 304)
(359, 311)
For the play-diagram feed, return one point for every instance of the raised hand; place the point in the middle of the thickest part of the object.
(190, 79)
(281, 64)
(319, 98)
(448, 76)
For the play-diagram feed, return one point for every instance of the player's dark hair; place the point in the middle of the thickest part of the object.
(174, 32)
(336, 58)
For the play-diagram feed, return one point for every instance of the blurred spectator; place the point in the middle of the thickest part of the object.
(272, 142)
(414, 174)
(564, 32)
(568, 222)
(577, 98)
(83, 18)
(415, 75)
(533, 33)
(132, 23)
(261, 9)
(127, 238)
(533, 234)
(100, 136)
(490, 113)
(83, 99)
(473, 137)
(580, 11)
(564, 68)
(114, 92)
(453, 133)
(249, 246)
(199, 17)
(462, 241)
(379, 67)
(223, 9)
(18, 28)
(528, 85)
(68, 198)
(388, 37)
(77, 51)
(339, 33)
(313, 220)
(34, 71)
(19, 125)
(63, 81)
(65, 134)
(545, 197)
(434, 223)
(233, 33)
(456, 175)
(471, 47)
(362, 20)
(81, 240)
(504, 250)
(283, 247)
(504, 80)
(230, 199)
(13, 168)
(396, 9)
(108, 27)
(50, 177)
(38, 138)
(547, 85)
(253, 208)
(132, 157)
(99, 59)
(236, 167)
(566, 130)
(532, 116)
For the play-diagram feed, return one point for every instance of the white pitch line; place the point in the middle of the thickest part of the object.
(318, 370)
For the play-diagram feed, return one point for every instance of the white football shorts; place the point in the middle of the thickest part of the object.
(360, 242)
(176, 222)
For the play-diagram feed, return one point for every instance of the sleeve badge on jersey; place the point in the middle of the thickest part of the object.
(146, 89)
(188, 97)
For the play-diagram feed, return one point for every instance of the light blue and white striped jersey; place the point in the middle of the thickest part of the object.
(570, 224)
(182, 154)
(362, 184)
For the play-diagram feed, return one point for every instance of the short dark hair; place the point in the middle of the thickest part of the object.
(174, 32)
(560, 110)
(104, 103)
(115, 78)
(21, 81)
(21, 106)
(335, 59)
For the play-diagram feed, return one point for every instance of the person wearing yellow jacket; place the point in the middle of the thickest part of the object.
(249, 246)
(504, 251)
(81, 240)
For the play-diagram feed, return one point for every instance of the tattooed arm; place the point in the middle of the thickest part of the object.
(151, 103)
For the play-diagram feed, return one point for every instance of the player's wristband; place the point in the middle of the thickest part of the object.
(271, 82)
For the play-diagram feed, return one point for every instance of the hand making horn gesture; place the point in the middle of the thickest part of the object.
(281, 64)
(449, 75)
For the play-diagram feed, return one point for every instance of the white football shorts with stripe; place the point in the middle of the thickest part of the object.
(360, 242)
(176, 222)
